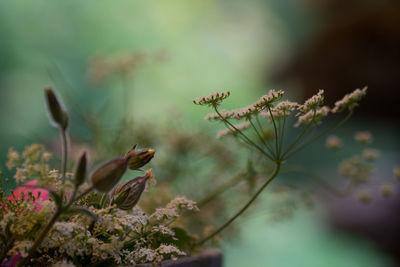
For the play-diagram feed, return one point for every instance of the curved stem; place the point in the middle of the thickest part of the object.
(244, 208)
(220, 189)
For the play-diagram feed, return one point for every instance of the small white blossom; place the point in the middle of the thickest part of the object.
(213, 99)
(370, 154)
(313, 116)
(333, 142)
(312, 103)
(267, 100)
(239, 127)
(350, 101)
(363, 137)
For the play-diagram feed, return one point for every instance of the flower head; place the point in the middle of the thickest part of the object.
(333, 142)
(106, 176)
(213, 99)
(126, 195)
(350, 101)
(139, 158)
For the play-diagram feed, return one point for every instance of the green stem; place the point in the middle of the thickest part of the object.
(244, 208)
(64, 162)
(243, 135)
(48, 227)
(319, 136)
(276, 132)
(39, 240)
(260, 137)
(262, 130)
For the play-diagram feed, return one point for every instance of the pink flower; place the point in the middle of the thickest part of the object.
(29, 187)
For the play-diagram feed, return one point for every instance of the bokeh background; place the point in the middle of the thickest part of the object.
(143, 62)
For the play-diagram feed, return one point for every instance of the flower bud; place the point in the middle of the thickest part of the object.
(139, 158)
(58, 114)
(126, 195)
(105, 177)
(80, 171)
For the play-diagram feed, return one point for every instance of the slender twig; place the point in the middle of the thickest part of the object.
(266, 141)
(297, 139)
(220, 189)
(319, 136)
(243, 135)
(260, 137)
(244, 208)
(276, 132)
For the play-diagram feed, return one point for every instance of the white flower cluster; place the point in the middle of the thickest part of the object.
(174, 208)
(370, 154)
(282, 109)
(350, 101)
(266, 101)
(213, 99)
(32, 162)
(313, 116)
(313, 103)
(240, 127)
(363, 137)
(333, 142)
(356, 169)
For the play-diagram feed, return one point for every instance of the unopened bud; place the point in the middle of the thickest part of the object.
(80, 171)
(139, 158)
(105, 177)
(127, 194)
(58, 114)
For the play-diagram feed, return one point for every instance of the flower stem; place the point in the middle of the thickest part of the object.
(64, 162)
(39, 240)
(318, 136)
(244, 208)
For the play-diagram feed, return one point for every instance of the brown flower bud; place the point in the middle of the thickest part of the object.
(139, 158)
(57, 113)
(105, 177)
(80, 171)
(126, 195)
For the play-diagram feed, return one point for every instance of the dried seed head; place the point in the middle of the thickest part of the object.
(105, 177)
(138, 158)
(80, 171)
(57, 113)
(126, 195)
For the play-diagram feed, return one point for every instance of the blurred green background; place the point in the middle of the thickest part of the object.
(189, 49)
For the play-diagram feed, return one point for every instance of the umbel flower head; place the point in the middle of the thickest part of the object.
(57, 113)
(105, 177)
(126, 195)
(138, 158)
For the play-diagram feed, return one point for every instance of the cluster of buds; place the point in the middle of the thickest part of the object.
(105, 177)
